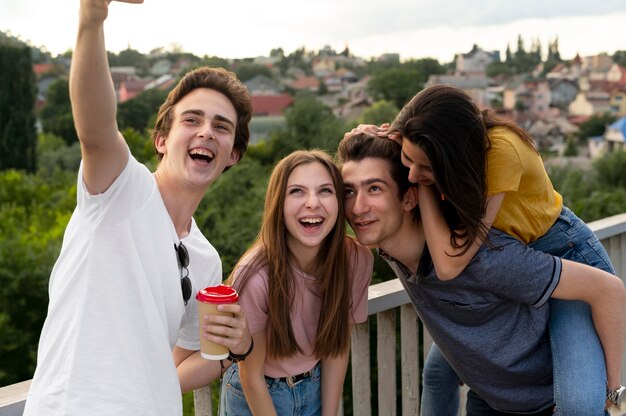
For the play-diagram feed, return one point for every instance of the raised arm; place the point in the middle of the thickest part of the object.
(446, 259)
(94, 105)
(605, 294)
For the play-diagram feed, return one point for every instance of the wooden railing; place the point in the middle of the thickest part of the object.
(388, 302)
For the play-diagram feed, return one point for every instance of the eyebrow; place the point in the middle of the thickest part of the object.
(320, 186)
(406, 156)
(369, 181)
(201, 113)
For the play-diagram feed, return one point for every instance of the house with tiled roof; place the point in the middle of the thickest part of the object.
(617, 100)
(475, 86)
(309, 83)
(475, 62)
(263, 85)
(615, 135)
(130, 88)
(562, 92)
(270, 105)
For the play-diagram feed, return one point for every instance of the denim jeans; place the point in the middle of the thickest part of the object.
(304, 399)
(578, 358)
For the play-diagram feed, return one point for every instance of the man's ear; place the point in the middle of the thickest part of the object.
(159, 144)
(234, 157)
(410, 199)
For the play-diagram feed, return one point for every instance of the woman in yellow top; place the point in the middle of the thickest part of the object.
(488, 171)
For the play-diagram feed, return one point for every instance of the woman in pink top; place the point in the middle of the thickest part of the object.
(302, 284)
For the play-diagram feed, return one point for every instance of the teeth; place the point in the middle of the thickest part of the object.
(311, 220)
(202, 152)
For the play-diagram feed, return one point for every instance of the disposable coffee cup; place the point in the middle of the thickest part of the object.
(208, 299)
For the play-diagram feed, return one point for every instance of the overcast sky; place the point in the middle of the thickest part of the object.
(412, 28)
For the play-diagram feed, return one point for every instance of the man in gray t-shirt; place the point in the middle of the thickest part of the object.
(490, 322)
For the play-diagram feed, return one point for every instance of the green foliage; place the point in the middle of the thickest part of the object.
(380, 112)
(400, 83)
(138, 112)
(247, 70)
(571, 147)
(611, 170)
(35, 211)
(619, 57)
(141, 147)
(56, 114)
(18, 138)
(54, 154)
(308, 124)
(596, 193)
(596, 125)
(230, 213)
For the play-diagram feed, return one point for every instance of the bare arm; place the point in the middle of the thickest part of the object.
(333, 376)
(193, 370)
(230, 331)
(605, 294)
(252, 376)
(94, 105)
(447, 264)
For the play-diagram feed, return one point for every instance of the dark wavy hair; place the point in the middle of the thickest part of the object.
(451, 130)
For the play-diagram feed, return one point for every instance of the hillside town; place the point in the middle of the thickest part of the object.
(551, 103)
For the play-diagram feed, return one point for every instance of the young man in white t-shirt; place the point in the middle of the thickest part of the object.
(121, 336)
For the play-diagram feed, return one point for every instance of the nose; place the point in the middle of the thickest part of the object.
(413, 175)
(206, 131)
(311, 200)
(359, 204)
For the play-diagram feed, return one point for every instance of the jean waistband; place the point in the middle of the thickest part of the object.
(293, 381)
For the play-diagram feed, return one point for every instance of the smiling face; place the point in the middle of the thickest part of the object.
(373, 206)
(414, 158)
(200, 141)
(311, 207)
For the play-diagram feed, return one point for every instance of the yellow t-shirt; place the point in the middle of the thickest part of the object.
(530, 205)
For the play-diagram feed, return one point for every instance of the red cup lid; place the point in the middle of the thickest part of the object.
(218, 294)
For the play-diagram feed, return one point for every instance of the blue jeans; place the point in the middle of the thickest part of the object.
(304, 399)
(578, 358)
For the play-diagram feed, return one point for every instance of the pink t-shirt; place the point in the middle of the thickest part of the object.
(305, 313)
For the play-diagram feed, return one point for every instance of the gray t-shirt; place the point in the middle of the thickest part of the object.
(491, 321)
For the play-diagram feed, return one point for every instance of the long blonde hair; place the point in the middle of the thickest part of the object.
(270, 252)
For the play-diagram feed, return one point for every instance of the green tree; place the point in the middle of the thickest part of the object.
(595, 126)
(247, 70)
(138, 112)
(18, 138)
(56, 114)
(380, 112)
(35, 211)
(230, 212)
(571, 147)
(619, 57)
(308, 124)
(396, 85)
(611, 170)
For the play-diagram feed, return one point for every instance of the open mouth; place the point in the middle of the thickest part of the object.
(311, 222)
(202, 155)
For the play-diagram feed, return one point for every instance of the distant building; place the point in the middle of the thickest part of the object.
(615, 136)
(476, 87)
(270, 105)
(475, 62)
(263, 85)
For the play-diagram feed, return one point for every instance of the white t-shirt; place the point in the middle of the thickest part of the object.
(116, 308)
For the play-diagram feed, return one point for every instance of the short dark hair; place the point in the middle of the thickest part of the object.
(358, 146)
(217, 79)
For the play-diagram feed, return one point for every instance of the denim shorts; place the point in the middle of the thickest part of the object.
(303, 399)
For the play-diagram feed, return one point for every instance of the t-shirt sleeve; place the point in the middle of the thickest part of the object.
(360, 274)
(516, 272)
(504, 166)
(254, 301)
